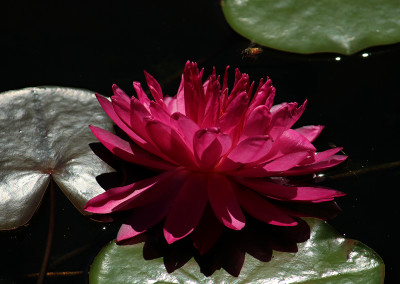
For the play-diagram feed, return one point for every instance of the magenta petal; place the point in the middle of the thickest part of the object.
(127, 231)
(234, 113)
(283, 117)
(285, 162)
(143, 218)
(262, 94)
(108, 108)
(154, 87)
(137, 113)
(207, 232)
(212, 107)
(180, 99)
(257, 122)
(120, 95)
(320, 156)
(190, 91)
(263, 210)
(290, 141)
(317, 167)
(186, 127)
(290, 193)
(277, 167)
(248, 151)
(121, 104)
(159, 111)
(171, 104)
(142, 96)
(209, 146)
(136, 194)
(128, 151)
(323, 210)
(170, 143)
(224, 202)
(311, 132)
(187, 209)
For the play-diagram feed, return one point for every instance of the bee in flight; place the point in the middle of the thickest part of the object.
(251, 52)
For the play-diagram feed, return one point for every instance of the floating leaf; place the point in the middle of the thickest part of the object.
(315, 26)
(44, 134)
(327, 257)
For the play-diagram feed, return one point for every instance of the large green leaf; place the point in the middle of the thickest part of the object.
(300, 26)
(327, 257)
(44, 134)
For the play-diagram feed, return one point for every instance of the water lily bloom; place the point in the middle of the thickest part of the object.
(220, 156)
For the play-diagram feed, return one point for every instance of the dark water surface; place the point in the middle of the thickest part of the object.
(91, 45)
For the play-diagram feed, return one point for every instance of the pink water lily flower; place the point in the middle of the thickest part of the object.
(218, 153)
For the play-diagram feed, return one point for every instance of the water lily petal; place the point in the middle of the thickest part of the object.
(170, 143)
(317, 167)
(171, 103)
(128, 151)
(180, 99)
(186, 128)
(154, 87)
(224, 202)
(187, 208)
(120, 95)
(320, 156)
(159, 112)
(143, 218)
(257, 122)
(239, 86)
(248, 151)
(289, 142)
(283, 117)
(311, 132)
(213, 104)
(108, 108)
(234, 113)
(323, 210)
(190, 98)
(121, 102)
(207, 232)
(285, 162)
(263, 210)
(290, 193)
(262, 94)
(136, 194)
(209, 145)
(142, 96)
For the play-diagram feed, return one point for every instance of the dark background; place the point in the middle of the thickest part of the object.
(91, 45)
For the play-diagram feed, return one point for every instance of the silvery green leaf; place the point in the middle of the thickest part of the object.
(44, 134)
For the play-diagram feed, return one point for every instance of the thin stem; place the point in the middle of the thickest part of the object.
(50, 234)
(373, 169)
(57, 274)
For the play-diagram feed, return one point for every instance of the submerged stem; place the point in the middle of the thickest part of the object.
(372, 169)
(50, 233)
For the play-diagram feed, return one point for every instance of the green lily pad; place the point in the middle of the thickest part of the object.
(44, 134)
(340, 26)
(327, 257)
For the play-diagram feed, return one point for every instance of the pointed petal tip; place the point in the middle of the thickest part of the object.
(171, 238)
(290, 224)
(236, 225)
